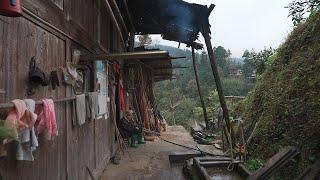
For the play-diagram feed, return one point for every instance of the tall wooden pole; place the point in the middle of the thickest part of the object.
(206, 34)
(199, 89)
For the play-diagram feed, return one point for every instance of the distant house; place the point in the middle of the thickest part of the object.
(235, 72)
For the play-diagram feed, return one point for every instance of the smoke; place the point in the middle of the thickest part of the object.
(181, 20)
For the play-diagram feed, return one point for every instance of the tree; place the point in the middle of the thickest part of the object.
(299, 8)
(256, 60)
(222, 55)
(247, 66)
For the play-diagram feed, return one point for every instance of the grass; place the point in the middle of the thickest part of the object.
(284, 108)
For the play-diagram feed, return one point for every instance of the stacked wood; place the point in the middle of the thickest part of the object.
(140, 87)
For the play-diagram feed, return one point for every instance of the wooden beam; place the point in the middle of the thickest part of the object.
(205, 31)
(118, 14)
(162, 74)
(284, 156)
(129, 15)
(167, 58)
(165, 77)
(235, 97)
(127, 55)
(312, 172)
(114, 20)
(11, 105)
(168, 67)
(162, 77)
(204, 109)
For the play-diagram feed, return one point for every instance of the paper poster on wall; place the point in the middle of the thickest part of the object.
(102, 85)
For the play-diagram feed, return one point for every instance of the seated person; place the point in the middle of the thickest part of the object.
(129, 129)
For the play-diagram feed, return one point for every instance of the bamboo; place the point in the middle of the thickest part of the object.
(205, 116)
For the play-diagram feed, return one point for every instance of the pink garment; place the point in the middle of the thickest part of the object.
(46, 122)
(19, 118)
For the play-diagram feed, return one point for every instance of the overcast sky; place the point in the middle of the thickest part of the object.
(245, 24)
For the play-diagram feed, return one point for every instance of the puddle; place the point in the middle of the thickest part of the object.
(223, 174)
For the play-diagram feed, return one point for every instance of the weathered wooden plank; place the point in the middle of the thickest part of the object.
(128, 55)
(65, 23)
(119, 17)
(72, 151)
(106, 5)
(313, 172)
(276, 161)
(28, 41)
(3, 61)
(58, 3)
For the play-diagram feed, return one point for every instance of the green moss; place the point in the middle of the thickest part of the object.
(254, 164)
(284, 108)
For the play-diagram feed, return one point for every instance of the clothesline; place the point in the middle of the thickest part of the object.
(11, 105)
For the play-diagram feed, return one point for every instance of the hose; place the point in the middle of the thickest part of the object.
(187, 147)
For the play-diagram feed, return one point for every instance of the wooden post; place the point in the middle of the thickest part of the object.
(206, 34)
(199, 89)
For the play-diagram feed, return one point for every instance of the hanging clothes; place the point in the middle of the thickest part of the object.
(81, 109)
(27, 141)
(92, 105)
(116, 68)
(18, 118)
(122, 92)
(33, 138)
(46, 122)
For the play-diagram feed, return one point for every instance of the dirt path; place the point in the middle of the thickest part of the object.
(150, 161)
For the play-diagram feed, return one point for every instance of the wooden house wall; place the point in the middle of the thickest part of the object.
(57, 27)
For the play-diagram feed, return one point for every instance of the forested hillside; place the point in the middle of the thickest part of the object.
(179, 100)
(284, 108)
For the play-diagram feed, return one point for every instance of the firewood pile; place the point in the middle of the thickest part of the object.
(140, 87)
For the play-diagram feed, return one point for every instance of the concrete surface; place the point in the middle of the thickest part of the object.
(150, 161)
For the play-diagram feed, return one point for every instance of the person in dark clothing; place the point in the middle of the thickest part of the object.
(129, 129)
